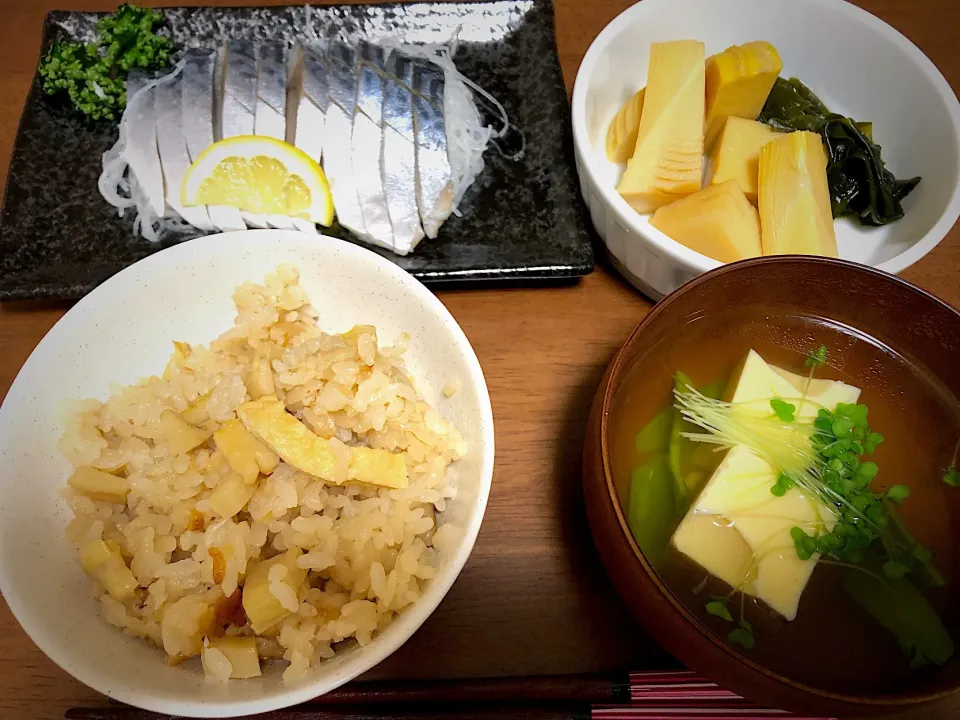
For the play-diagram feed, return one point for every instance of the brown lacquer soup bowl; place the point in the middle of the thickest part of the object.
(858, 613)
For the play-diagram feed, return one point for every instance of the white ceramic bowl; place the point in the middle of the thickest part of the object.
(856, 63)
(121, 332)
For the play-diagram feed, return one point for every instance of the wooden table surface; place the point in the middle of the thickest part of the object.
(533, 598)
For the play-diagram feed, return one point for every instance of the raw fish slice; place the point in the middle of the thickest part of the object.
(367, 144)
(434, 180)
(198, 124)
(337, 156)
(306, 108)
(139, 125)
(307, 101)
(466, 134)
(399, 154)
(239, 82)
(172, 143)
(238, 112)
(270, 116)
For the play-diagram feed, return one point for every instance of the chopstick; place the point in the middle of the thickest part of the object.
(435, 712)
(670, 695)
(643, 687)
(544, 711)
(675, 713)
(589, 689)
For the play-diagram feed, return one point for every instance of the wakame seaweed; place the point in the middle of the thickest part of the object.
(860, 183)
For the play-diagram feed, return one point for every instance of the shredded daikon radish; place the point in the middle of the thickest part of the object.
(504, 118)
(143, 224)
(112, 177)
(148, 224)
(467, 137)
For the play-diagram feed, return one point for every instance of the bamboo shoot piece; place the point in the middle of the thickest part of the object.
(718, 222)
(239, 652)
(231, 495)
(99, 485)
(622, 133)
(736, 154)
(737, 84)
(246, 454)
(261, 604)
(105, 563)
(181, 436)
(666, 163)
(794, 200)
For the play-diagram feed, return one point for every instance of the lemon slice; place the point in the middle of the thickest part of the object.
(259, 175)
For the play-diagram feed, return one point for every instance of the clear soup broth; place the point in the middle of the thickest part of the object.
(833, 643)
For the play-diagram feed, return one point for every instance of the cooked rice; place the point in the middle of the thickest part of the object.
(369, 551)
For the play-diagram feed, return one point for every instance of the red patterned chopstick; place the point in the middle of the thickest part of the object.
(664, 677)
(692, 713)
(680, 686)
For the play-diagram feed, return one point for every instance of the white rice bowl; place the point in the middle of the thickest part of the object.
(378, 559)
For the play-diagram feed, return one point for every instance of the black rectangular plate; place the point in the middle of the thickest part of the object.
(522, 219)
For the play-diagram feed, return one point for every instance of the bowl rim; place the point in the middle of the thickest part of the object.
(691, 259)
(409, 620)
(616, 370)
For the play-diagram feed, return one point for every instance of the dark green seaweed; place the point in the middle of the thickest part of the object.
(860, 184)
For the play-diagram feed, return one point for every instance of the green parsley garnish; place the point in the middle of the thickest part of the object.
(843, 480)
(817, 358)
(741, 635)
(783, 410)
(898, 493)
(783, 484)
(718, 608)
(866, 519)
(93, 75)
